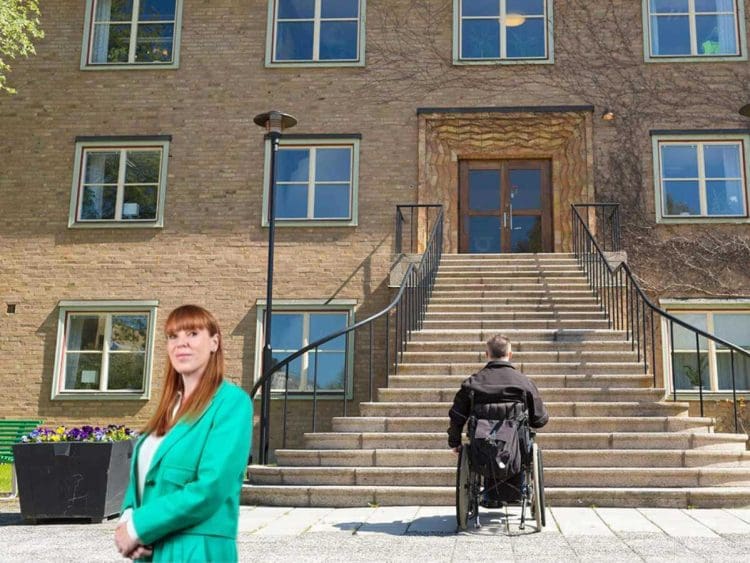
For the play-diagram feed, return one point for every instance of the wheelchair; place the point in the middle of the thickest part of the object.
(470, 483)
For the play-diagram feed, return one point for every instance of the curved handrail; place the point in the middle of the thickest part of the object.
(404, 283)
(624, 267)
(631, 315)
(302, 351)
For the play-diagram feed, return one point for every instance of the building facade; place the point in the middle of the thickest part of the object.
(133, 179)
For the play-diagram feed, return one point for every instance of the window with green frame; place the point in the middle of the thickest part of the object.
(707, 362)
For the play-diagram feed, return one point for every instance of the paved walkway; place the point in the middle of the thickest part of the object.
(414, 533)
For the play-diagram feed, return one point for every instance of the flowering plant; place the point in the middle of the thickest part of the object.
(111, 433)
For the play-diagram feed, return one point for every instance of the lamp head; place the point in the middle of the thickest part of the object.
(608, 115)
(275, 121)
(745, 110)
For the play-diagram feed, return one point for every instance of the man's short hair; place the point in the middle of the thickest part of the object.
(498, 346)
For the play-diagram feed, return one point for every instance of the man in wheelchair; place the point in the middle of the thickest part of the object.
(498, 401)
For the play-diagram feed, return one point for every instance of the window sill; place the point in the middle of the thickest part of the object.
(100, 396)
(693, 395)
(315, 64)
(277, 395)
(117, 225)
(133, 66)
(696, 59)
(472, 62)
(312, 223)
(702, 220)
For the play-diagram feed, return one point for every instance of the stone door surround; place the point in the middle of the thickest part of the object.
(562, 134)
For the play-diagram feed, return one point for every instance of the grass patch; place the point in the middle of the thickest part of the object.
(5, 477)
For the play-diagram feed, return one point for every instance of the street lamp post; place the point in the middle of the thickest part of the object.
(274, 122)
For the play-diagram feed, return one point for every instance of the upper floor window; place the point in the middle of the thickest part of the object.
(706, 361)
(132, 33)
(502, 30)
(104, 348)
(119, 183)
(316, 181)
(701, 179)
(694, 28)
(316, 31)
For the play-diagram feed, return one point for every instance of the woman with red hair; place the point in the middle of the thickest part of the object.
(188, 466)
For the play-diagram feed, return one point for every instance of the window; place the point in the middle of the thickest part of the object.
(502, 30)
(104, 348)
(127, 33)
(694, 29)
(324, 32)
(316, 181)
(294, 326)
(701, 179)
(119, 183)
(731, 322)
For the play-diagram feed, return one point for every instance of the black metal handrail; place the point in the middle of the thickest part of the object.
(413, 235)
(607, 221)
(628, 308)
(408, 309)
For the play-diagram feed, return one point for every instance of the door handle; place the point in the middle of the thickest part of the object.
(505, 220)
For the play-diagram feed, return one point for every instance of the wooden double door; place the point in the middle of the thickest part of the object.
(505, 206)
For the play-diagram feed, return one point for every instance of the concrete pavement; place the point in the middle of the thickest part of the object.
(425, 533)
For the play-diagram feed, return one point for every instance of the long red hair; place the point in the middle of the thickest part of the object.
(188, 317)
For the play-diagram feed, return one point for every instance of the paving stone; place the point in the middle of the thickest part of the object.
(393, 520)
(294, 522)
(627, 520)
(580, 521)
(343, 520)
(720, 521)
(252, 518)
(676, 522)
(434, 520)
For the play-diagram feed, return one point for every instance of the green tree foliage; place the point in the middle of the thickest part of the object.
(19, 26)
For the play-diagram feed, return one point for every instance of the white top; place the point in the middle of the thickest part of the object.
(146, 453)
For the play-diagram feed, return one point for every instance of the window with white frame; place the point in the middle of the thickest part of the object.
(706, 361)
(132, 33)
(295, 326)
(119, 183)
(316, 31)
(693, 28)
(316, 181)
(502, 30)
(701, 178)
(104, 348)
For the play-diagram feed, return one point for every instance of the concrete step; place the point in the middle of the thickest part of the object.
(579, 408)
(641, 497)
(553, 476)
(519, 356)
(453, 382)
(555, 393)
(552, 440)
(501, 325)
(529, 368)
(533, 308)
(496, 275)
(479, 346)
(538, 293)
(558, 336)
(518, 284)
(523, 316)
(559, 424)
(512, 299)
(552, 458)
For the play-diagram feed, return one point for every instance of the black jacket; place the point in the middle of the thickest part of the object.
(497, 382)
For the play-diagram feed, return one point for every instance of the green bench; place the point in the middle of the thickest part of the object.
(11, 431)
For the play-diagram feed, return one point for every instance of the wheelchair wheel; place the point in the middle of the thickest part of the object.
(538, 504)
(463, 490)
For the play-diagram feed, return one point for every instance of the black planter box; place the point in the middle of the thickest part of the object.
(72, 479)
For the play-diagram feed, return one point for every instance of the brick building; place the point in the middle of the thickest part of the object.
(132, 176)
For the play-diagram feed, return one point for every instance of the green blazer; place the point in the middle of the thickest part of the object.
(193, 485)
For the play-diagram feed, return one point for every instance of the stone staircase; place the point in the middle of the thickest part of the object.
(612, 439)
